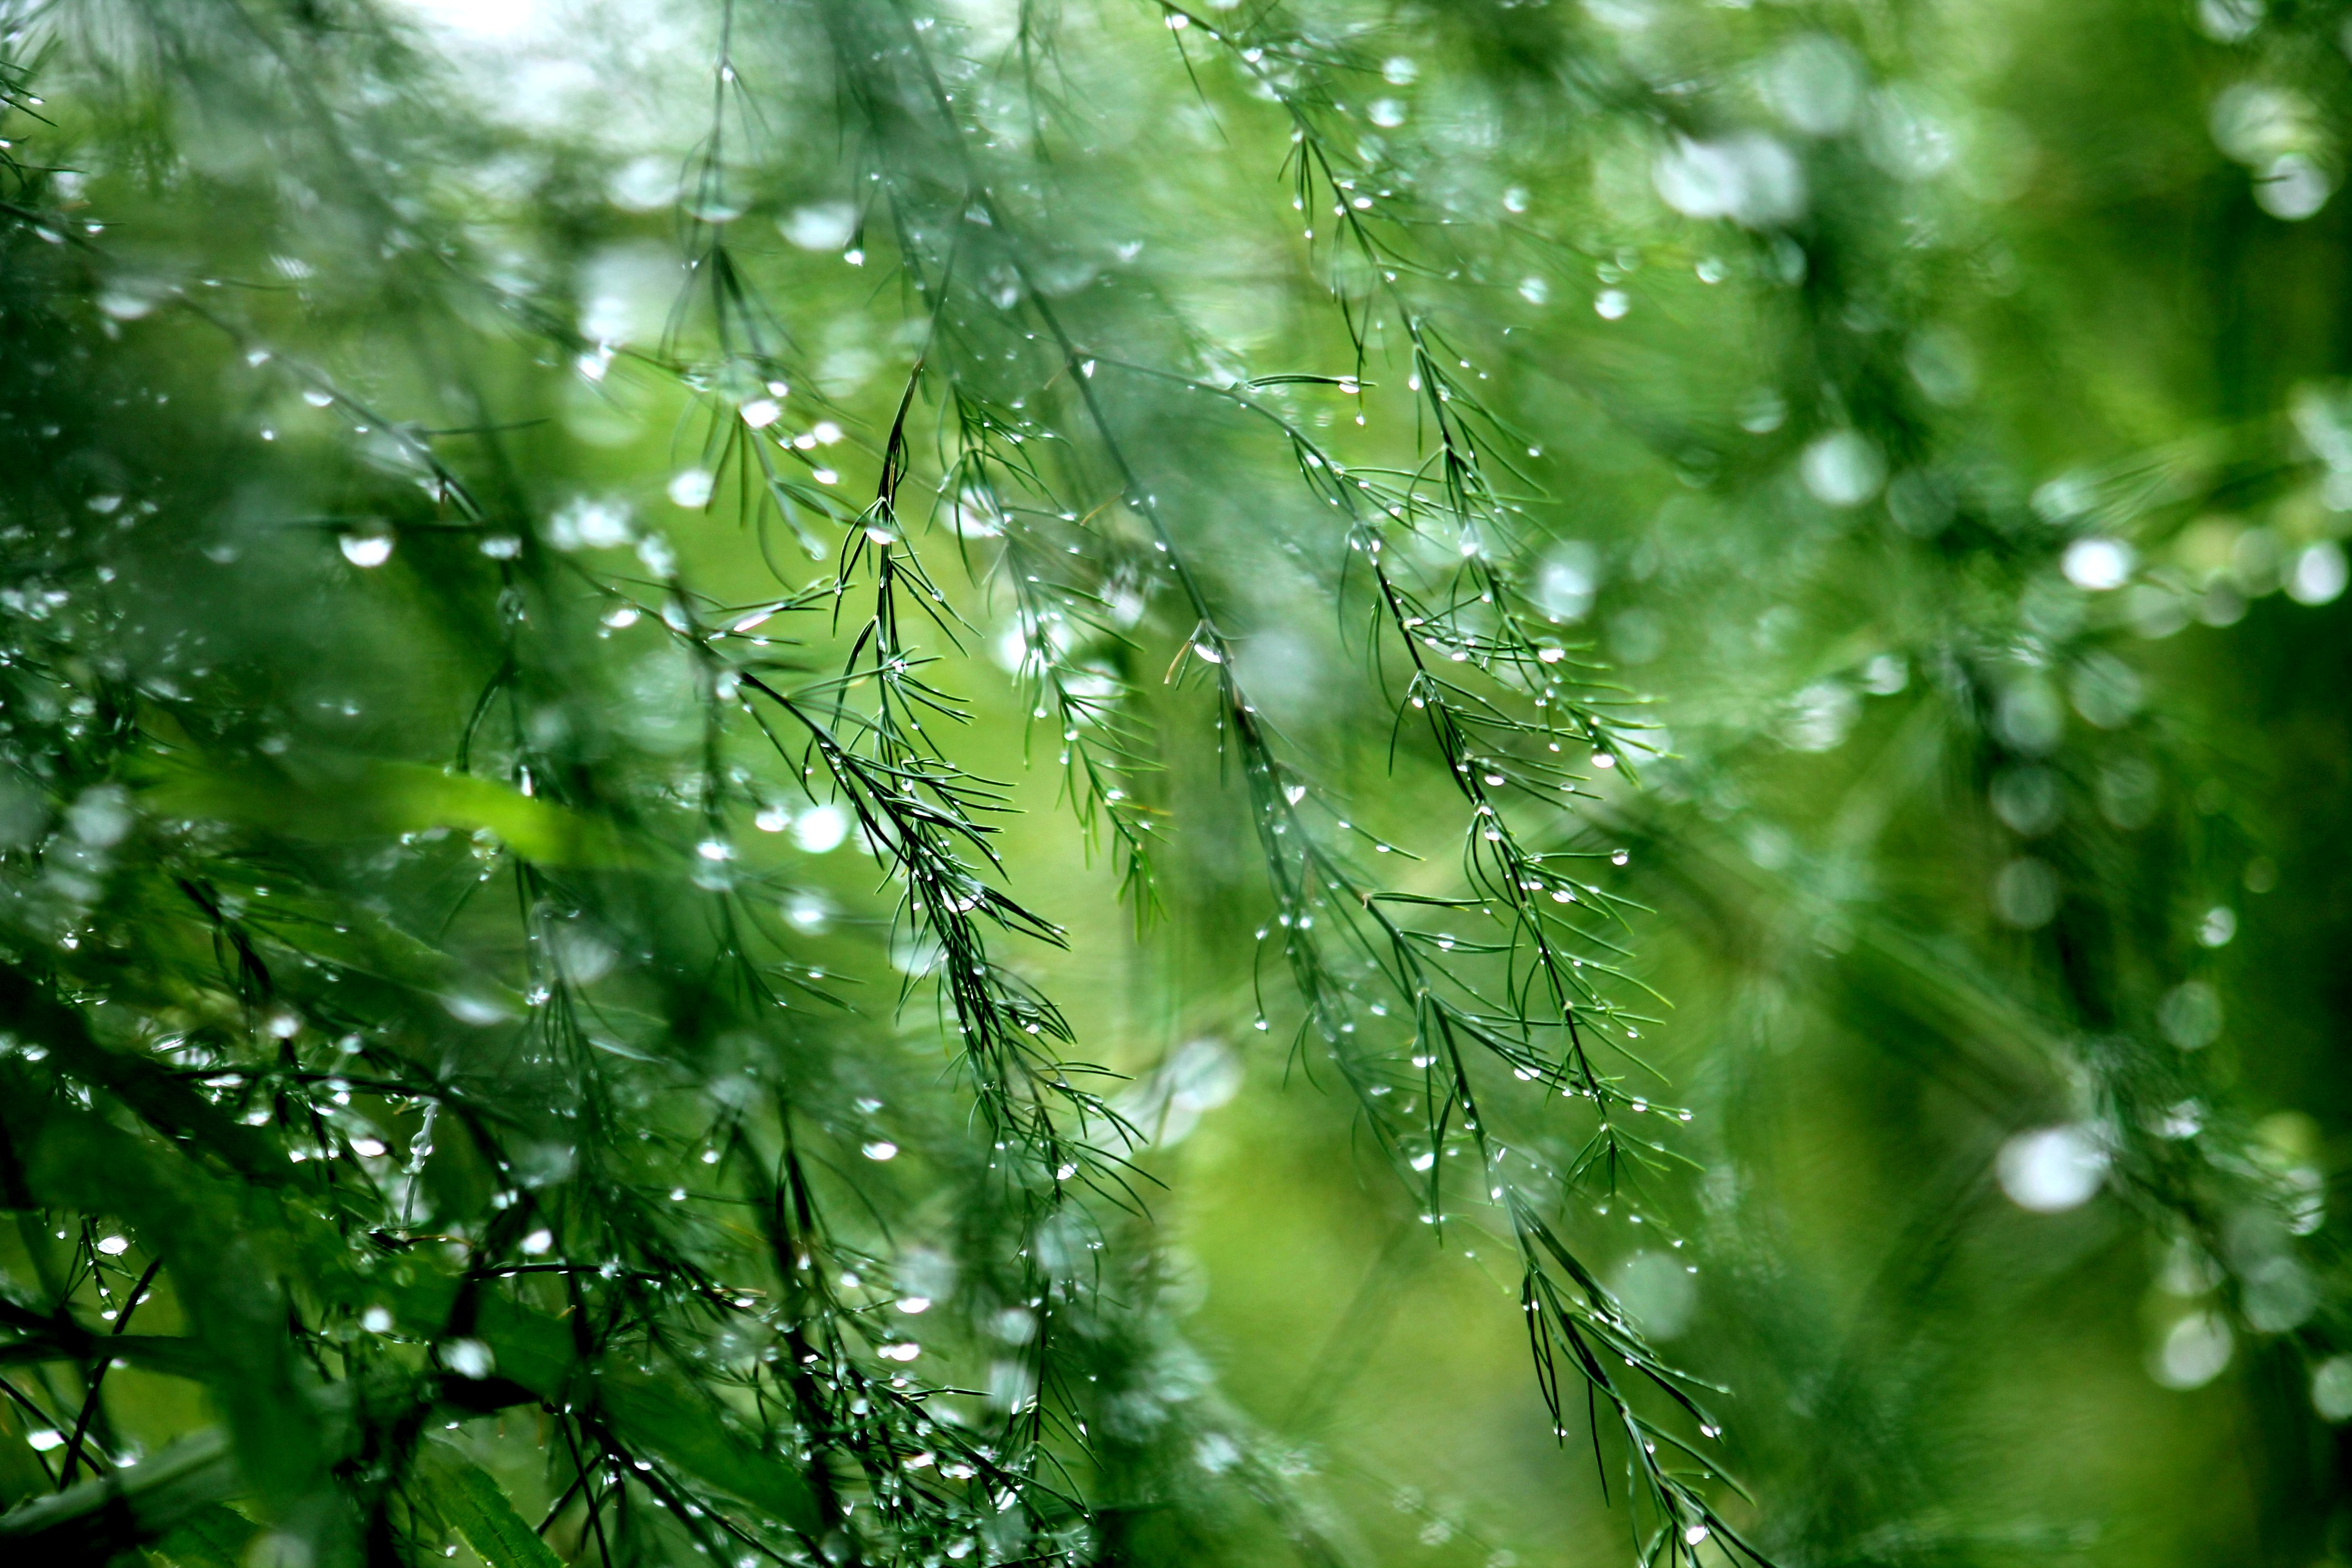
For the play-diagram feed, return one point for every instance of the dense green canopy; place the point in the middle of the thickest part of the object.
(1108, 781)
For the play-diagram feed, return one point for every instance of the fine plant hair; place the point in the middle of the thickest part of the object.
(564, 1257)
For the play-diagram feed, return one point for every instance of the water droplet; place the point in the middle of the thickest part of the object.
(1843, 469)
(690, 488)
(466, 1358)
(821, 828)
(2098, 564)
(2054, 1169)
(365, 550)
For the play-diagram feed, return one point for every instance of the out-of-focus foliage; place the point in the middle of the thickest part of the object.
(838, 781)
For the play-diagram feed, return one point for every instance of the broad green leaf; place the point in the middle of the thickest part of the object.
(363, 798)
(214, 1536)
(90, 1522)
(535, 1351)
(472, 1502)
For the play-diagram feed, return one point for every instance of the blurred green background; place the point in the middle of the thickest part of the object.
(1938, 415)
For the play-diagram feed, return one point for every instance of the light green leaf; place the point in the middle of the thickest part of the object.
(334, 799)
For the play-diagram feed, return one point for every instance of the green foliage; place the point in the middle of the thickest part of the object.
(488, 1521)
(679, 687)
